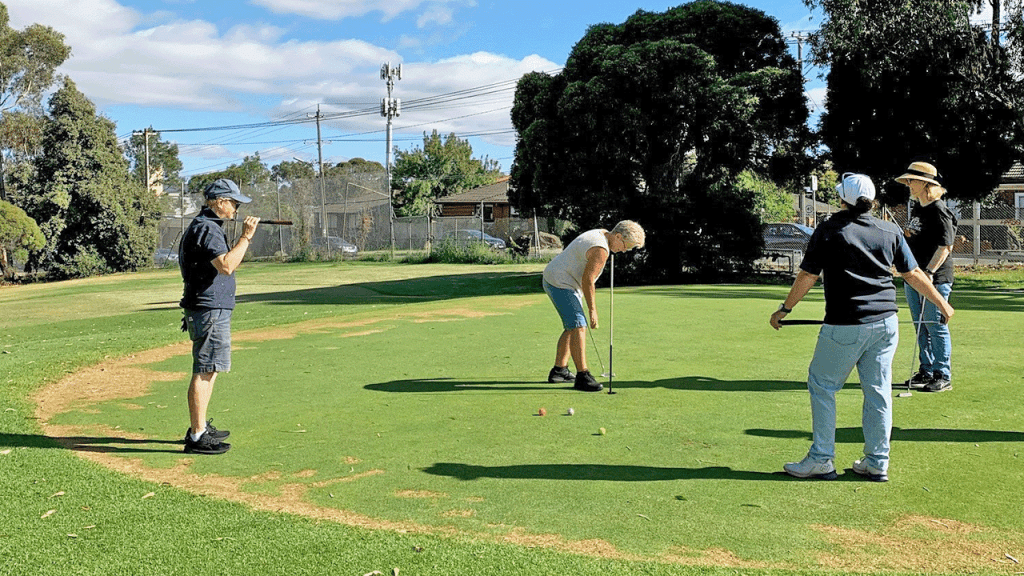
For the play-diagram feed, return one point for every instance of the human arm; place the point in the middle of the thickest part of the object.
(801, 286)
(228, 262)
(920, 282)
(941, 253)
(596, 258)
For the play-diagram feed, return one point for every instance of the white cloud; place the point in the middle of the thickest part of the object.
(339, 9)
(437, 14)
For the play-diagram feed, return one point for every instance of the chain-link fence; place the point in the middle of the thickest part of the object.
(349, 216)
(987, 233)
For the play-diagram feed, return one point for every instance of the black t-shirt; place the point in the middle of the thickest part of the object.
(853, 254)
(930, 227)
(205, 287)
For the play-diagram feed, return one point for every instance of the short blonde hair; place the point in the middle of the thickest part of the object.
(933, 192)
(631, 232)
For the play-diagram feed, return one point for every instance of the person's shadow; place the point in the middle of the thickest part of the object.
(99, 444)
(681, 383)
(607, 473)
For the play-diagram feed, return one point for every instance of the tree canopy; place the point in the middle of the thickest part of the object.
(914, 79)
(18, 235)
(94, 218)
(250, 172)
(442, 167)
(652, 120)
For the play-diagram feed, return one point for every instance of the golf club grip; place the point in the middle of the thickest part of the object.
(799, 322)
(278, 222)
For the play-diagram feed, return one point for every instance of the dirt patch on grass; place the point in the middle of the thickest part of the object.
(419, 494)
(918, 544)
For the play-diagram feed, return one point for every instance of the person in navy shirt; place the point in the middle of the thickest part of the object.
(208, 264)
(854, 252)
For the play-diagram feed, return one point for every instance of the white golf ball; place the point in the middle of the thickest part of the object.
(571, 411)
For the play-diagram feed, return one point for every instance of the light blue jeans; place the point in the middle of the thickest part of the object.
(869, 347)
(933, 339)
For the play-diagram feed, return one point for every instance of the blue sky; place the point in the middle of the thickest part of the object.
(190, 64)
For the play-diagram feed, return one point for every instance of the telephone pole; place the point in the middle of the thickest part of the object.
(390, 108)
(323, 192)
(145, 133)
(800, 37)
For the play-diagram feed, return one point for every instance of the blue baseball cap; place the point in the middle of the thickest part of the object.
(224, 188)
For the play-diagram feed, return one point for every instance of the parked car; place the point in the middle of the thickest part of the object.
(165, 257)
(786, 236)
(463, 237)
(336, 244)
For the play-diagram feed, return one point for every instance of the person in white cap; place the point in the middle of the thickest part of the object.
(931, 234)
(855, 252)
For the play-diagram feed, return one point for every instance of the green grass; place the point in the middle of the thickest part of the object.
(438, 387)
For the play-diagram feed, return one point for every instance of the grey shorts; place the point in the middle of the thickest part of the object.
(210, 332)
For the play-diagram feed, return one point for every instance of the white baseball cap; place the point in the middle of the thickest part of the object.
(855, 186)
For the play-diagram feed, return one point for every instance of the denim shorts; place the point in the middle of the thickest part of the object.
(569, 305)
(210, 332)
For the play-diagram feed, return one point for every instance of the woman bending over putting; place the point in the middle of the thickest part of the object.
(569, 281)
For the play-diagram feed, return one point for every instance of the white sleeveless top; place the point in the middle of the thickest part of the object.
(566, 270)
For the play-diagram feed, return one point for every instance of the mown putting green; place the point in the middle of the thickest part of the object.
(425, 412)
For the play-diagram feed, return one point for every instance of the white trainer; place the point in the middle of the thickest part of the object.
(808, 468)
(870, 472)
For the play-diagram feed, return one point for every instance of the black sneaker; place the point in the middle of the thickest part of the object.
(206, 444)
(920, 380)
(211, 430)
(938, 384)
(560, 374)
(585, 382)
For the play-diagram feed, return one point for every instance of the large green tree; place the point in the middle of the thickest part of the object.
(442, 167)
(94, 217)
(914, 79)
(652, 120)
(28, 62)
(18, 235)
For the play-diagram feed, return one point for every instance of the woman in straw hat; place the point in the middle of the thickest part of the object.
(930, 234)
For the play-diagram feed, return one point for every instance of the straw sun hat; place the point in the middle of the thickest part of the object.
(920, 171)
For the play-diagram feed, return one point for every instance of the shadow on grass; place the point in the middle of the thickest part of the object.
(449, 385)
(682, 383)
(100, 444)
(608, 473)
(856, 435)
(410, 290)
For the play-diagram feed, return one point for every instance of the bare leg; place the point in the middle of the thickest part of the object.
(578, 348)
(562, 352)
(199, 392)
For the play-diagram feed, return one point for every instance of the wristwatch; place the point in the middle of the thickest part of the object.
(929, 271)
(782, 308)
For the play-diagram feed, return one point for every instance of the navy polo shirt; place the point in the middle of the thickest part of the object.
(854, 254)
(205, 287)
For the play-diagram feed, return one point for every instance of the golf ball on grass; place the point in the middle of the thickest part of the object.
(602, 431)
(571, 411)
(542, 412)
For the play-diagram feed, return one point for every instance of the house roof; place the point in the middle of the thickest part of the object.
(1014, 175)
(496, 193)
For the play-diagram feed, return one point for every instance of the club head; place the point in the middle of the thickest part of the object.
(606, 375)
(610, 391)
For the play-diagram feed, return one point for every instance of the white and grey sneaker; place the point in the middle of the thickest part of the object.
(870, 472)
(939, 384)
(808, 468)
(919, 380)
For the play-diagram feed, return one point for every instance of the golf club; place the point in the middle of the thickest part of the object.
(278, 222)
(917, 338)
(590, 334)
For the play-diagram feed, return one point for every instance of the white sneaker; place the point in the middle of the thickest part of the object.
(870, 472)
(808, 468)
